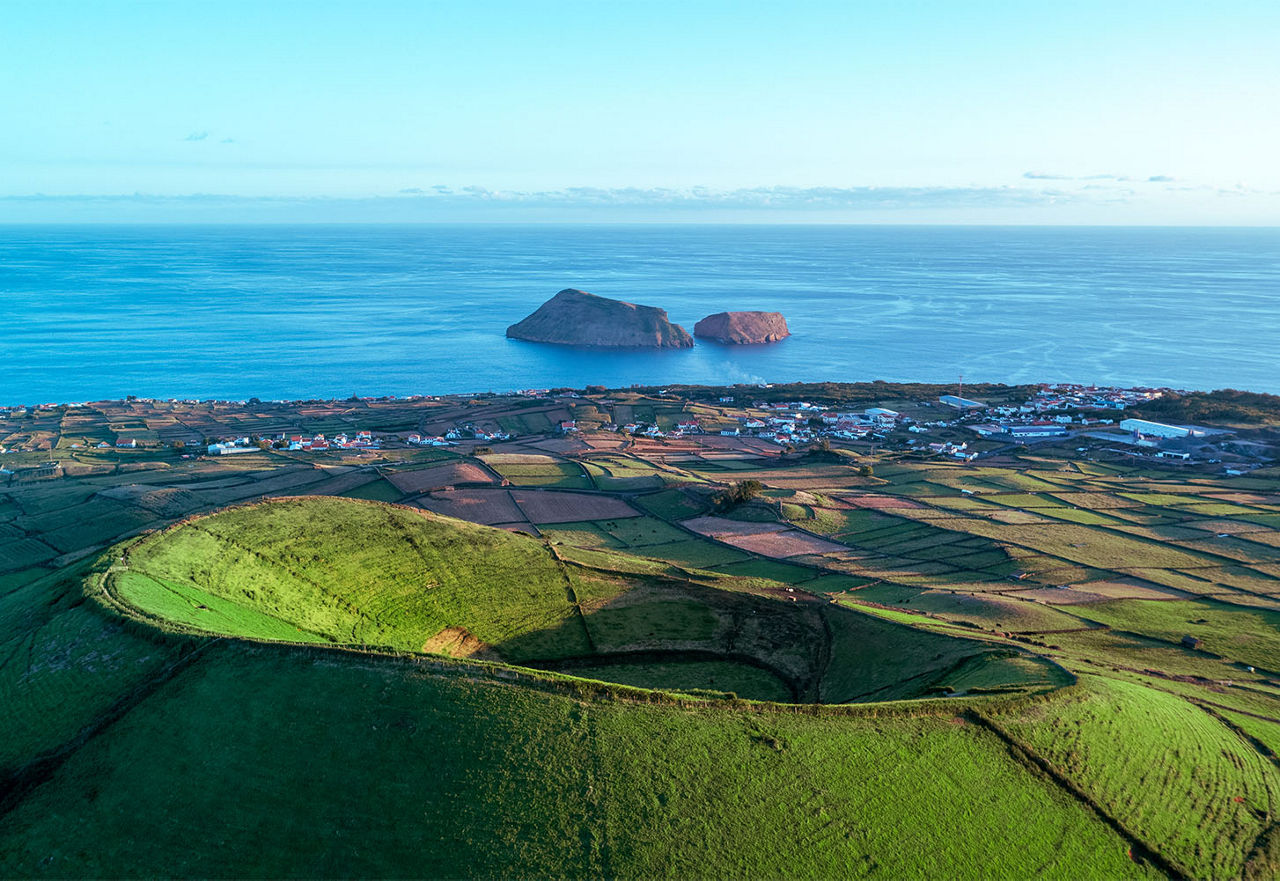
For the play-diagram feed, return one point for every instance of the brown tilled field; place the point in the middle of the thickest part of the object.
(719, 526)
(487, 506)
(427, 479)
(785, 543)
(564, 507)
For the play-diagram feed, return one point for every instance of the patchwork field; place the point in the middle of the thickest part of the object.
(1074, 661)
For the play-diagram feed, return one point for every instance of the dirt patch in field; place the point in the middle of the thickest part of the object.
(563, 507)
(526, 528)
(878, 502)
(438, 477)
(487, 506)
(456, 642)
(787, 543)
(722, 526)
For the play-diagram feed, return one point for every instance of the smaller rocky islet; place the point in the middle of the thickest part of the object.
(575, 317)
(743, 328)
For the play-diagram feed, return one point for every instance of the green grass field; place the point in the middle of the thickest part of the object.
(1204, 791)
(419, 775)
(360, 573)
(1249, 636)
(563, 475)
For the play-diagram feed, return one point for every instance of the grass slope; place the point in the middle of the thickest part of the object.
(320, 569)
(1169, 771)
(359, 573)
(265, 761)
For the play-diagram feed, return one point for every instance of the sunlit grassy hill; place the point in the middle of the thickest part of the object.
(368, 574)
(314, 687)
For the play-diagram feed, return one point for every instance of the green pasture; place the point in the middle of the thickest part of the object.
(1204, 791)
(502, 778)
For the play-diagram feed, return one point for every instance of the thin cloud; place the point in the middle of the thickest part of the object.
(603, 204)
(196, 136)
(684, 199)
(1114, 178)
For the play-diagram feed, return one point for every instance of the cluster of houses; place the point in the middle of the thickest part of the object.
(363, 440)
(800, 422)
(1031, 420)
(455, 434)
(955, 451)
(1068, 396)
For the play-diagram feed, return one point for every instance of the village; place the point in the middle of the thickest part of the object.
(1075, 419)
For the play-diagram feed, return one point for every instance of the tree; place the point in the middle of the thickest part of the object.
(179, 445)
(865, 471)
(738, 494)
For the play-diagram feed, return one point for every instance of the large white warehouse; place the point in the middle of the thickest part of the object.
(1157, 429)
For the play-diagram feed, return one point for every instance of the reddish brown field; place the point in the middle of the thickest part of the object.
(563, 507)
(487, 506)
(427, 479)
(603, 441)
(722, 526)
(787, 543)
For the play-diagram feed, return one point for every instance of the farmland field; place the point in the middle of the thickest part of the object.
(924, 669)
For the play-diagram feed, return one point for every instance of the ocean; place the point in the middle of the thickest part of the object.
(286, 312)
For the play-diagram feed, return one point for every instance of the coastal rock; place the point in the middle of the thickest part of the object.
(576, 318)
(743, 327)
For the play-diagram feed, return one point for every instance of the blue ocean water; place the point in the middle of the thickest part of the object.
(319, 311)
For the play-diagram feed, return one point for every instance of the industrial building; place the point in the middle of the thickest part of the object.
(961, 403)
(1042, 429)
(1159, 429)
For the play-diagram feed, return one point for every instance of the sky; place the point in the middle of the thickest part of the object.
(879, 112)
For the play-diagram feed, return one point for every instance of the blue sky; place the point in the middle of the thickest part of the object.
(976, 112)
